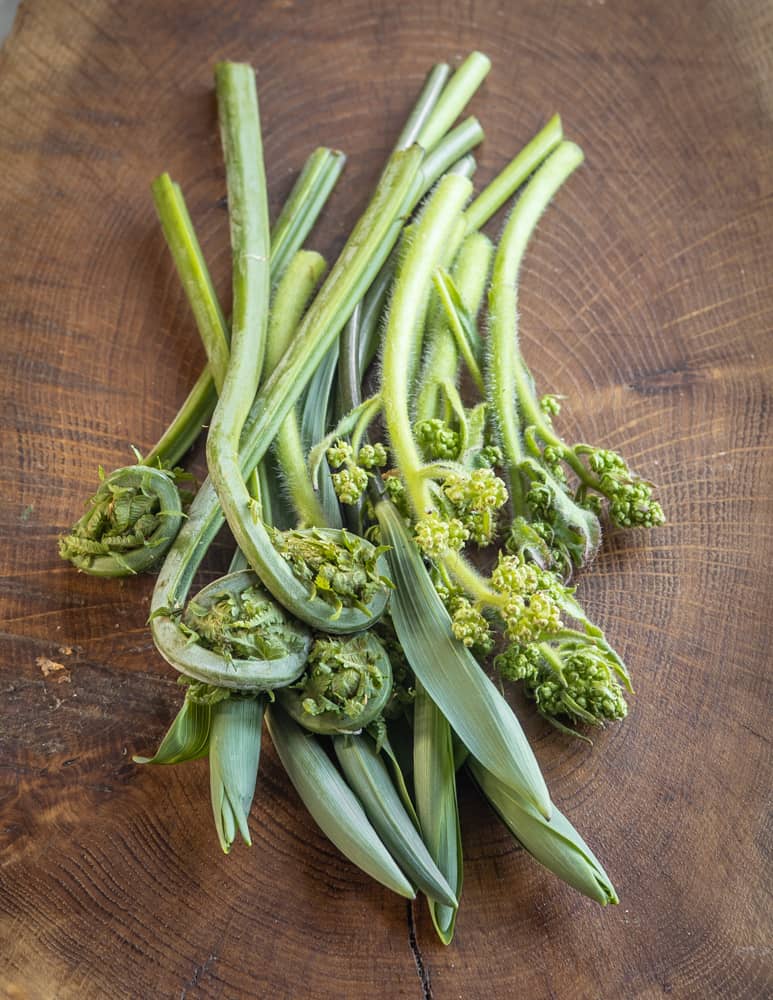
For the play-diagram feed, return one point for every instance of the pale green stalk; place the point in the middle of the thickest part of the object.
(292, 295)
(409, 301)
(470, 274)
(504, 369)
(194, 274)
(302, 208)
(424, 106)
(506, 183)
(457, 92)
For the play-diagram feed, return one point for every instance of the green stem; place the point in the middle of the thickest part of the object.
(506, 183)
(247, 199)
(504, 372)
(470, 274)
(194, 274)
(457, 92)
(453, 148)
(366, 249)
(411, 292)
(439, 280)
(292, 295)
(425, 104)
(302, 208)
(181, 434)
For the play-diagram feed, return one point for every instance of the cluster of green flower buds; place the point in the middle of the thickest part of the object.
(436, 534)
(530, 599)
(631, 503)
(475, 497)
(550, 405)
(351, 481)
(469, 625)
(437, 439)
(563, 679)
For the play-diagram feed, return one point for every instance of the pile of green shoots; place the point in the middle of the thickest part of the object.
(364, 490)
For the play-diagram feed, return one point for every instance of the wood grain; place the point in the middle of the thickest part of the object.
(646, 298)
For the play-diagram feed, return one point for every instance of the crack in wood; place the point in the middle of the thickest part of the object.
(421, 967)
(198, 972)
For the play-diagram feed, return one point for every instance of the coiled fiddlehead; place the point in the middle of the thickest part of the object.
(234, 635)
(130, 523)
(346, 684)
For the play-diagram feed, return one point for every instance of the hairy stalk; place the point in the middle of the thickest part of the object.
(470, 274)
(427, 249)
(504, 370)
(292, 295)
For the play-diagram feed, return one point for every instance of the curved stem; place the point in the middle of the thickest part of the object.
(428, 246)
(504, 372)
(247, 197)
(366, 249)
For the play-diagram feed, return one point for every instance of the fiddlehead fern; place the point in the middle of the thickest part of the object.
(345, 686)
(130, 523)
(234, 635)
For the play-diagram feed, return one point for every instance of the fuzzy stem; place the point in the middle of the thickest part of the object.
(428, 245)
(292, 294)
(470, 273)
(504, 373)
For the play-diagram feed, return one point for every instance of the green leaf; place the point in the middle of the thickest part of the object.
(555, 844)
(234, 754)
(331, 802)
(434, 776)
(476, 710)
(369, 779)
(187, 737)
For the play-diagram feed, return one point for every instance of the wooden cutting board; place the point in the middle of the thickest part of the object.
(646, 299)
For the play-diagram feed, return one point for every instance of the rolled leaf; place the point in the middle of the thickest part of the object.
(555, 844)
(331, 802)
(369, 779)
(234, 753)
(476, 710)
(434, 776)
(186, 739)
